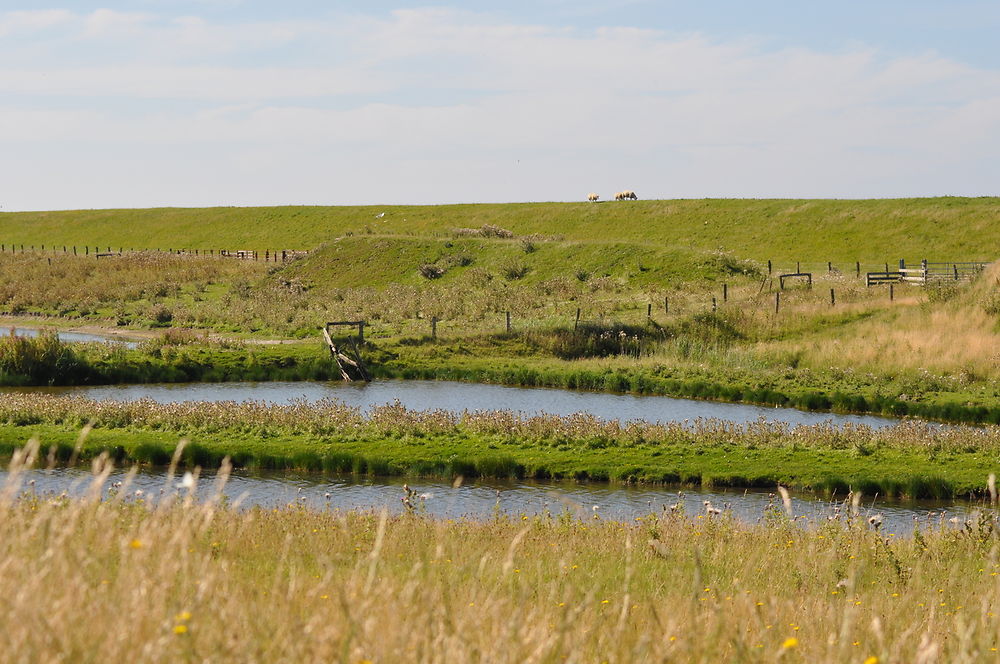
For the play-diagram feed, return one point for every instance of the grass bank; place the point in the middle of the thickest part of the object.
(909, 460)
(189, 582)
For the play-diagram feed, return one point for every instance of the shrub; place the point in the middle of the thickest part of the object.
(514, 269)
(431, 271)
(489, 230)
(159, 314)
(460, 260)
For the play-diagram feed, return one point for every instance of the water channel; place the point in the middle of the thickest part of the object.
(484, 499)
(456, 396)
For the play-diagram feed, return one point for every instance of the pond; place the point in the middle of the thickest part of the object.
(457, 396)
(484, 499)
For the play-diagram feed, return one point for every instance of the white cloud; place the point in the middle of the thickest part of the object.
(26, 22)
(434, 105)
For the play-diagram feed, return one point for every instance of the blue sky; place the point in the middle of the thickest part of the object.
(203, 102)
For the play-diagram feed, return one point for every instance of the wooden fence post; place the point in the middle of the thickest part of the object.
(890, 292)
(769, 266)
(508, 322)
(666, 305)
(857, 267)
(434, 327)
(725, 292)
(833, 298)
(714, 304)
(576, 323)
(649, 311)
(777, 301)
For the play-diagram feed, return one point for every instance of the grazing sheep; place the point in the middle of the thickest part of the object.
(592, 198)
(629, 195)
(620, 196)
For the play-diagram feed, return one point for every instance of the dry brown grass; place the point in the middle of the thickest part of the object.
(958, 337)
(123, 580)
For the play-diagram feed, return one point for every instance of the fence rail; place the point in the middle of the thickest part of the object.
(87, 251)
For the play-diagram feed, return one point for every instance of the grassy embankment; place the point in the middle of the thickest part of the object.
(183, 582)
(610, 261)
(911, 460)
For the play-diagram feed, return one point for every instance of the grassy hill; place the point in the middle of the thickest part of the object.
(872, 231)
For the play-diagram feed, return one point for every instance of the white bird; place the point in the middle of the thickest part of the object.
(187, 482)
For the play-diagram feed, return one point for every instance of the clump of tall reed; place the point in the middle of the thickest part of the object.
(36, 360)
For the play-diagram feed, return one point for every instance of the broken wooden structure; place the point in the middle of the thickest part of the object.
(351, 367)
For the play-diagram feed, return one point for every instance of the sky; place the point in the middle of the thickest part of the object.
(255, 102)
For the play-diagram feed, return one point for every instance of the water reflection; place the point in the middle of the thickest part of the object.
(456, 396)
(485, 499)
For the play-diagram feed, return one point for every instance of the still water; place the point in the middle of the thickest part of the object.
(457, 396)
(484, 499)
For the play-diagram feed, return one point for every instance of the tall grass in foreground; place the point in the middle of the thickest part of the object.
(119, 579)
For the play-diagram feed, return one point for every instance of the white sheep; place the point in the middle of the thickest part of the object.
(592, 197)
